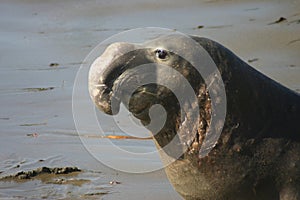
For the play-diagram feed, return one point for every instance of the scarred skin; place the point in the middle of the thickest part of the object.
(258, 153)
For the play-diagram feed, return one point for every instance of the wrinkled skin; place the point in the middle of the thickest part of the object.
(258, 153)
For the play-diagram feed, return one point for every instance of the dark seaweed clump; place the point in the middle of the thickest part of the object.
(42, 170)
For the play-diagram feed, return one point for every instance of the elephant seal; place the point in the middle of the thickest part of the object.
(257, 155)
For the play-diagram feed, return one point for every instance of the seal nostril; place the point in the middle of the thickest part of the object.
(161, 53)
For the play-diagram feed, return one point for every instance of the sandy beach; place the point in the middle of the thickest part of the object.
(43, 44)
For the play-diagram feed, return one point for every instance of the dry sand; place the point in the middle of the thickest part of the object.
(36, 123)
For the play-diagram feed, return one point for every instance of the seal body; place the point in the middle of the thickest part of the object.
(258, 153)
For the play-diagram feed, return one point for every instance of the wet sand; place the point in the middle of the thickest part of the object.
(43, 44)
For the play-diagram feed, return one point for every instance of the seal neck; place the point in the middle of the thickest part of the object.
(257, 106)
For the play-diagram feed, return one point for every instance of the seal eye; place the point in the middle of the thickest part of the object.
(161, 53)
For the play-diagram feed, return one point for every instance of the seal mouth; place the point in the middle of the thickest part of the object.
(103, 98)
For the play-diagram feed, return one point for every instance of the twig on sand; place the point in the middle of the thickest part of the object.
(120, 137)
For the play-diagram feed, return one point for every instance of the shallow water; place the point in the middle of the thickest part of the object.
(35, 34)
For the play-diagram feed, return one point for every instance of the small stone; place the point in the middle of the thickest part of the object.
(281, 19)
(53, 65)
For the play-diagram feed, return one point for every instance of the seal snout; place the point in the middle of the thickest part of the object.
(103, 73)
